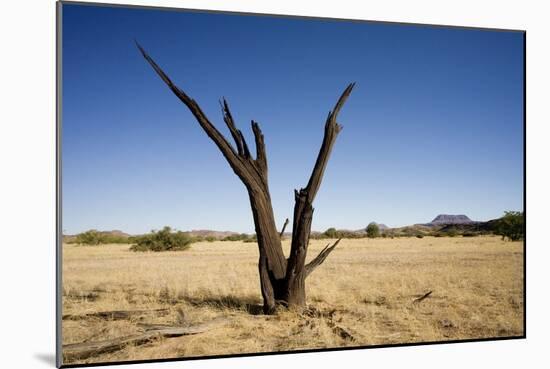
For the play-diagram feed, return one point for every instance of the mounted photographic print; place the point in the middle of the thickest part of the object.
(240, 184)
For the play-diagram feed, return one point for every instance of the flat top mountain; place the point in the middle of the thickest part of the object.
(451, 219)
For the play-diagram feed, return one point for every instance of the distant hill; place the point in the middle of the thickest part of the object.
(115, 232)
(211, 233)
(444, 219)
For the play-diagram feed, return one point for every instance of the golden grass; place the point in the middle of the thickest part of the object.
(365, 288)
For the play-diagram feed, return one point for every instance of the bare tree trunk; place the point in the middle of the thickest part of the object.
(282, 281)
(272, 262)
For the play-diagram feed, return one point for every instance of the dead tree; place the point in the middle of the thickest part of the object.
(282, 279)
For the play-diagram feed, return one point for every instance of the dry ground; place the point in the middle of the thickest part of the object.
(362, 295)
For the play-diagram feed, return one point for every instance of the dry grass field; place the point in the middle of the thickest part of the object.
(362, 295)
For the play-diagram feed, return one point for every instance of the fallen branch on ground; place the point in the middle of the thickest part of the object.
(342, 333)
(116, 314)
(84, 350)
(422, 297)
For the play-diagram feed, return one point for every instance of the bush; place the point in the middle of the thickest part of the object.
(236, 237)
(94, 237)
(210, 238)
(373, 230)
(408, 232)
(252, 238)
(419, 236)
(163, 240)
(91, 237)
(511, 226)
(469, 234)
(199, 238)
(451, 233)
(331, 233)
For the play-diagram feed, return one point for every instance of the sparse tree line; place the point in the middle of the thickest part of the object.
(162, 240)
(510, 226)
(94, 237)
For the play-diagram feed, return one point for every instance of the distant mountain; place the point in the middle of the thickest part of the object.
(115, 232)
(210, 233)
(445, 219)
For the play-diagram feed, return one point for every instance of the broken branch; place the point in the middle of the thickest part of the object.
(225, 147)
(319, 259)
(332, 128)
(228, 119)
(284, 227)
(261, 158)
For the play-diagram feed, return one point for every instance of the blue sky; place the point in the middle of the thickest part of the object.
(434, 124)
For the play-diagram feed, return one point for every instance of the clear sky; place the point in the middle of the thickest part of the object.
(434, 124)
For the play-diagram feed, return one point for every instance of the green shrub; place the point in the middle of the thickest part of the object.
(451, 233)
(210, 238)
(110, 238)
(331, 233)
(469, 234)
(236, 237)
(419, 236)
(252, 238)
(318, 236)
(91, 237)
(511, 226)
(163, 240)
(373, 230)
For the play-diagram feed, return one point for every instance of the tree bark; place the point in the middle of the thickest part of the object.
(282, 281)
